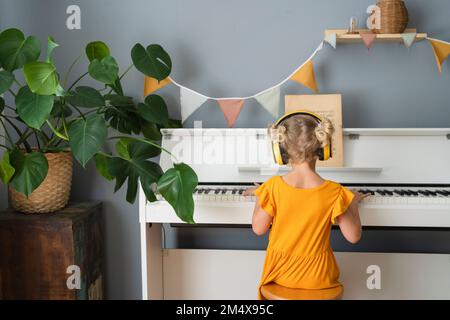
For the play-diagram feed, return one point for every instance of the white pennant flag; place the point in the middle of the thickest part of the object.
(190, 101)
(408, 39)
(331, 40)
(270, 100)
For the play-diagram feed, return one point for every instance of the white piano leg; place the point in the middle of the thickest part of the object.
(152, 261)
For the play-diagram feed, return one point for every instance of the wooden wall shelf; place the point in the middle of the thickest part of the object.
(343, 36)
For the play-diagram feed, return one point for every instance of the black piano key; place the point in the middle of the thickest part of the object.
(399, 192)
(223, 191)
(217, 191)
(381, 192)
(241, 191)
(233, 191)
(424, 192)
(443, 192)
(413, 193)
(389, 193)
(432, 193)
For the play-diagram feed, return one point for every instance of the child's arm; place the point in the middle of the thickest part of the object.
(261, 220)
(349, 222)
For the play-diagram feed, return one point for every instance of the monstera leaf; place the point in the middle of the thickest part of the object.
(6, 169)
(97, 50)
(32, 108)
(51, 45)
(16, 51)
(86, 97)
(42, 77)
(6, 80)
(153, 62)
(101, 164)
(154, 110)
(30, 170)
(86, 137)
(133, 165)
(177, 186)
(105, 70)
(122, 114)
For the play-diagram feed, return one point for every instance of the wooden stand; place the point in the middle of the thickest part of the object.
(40, 254)
(343, 36)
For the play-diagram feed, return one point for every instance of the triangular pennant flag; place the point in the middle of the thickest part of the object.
(270, 100)
(189, 101)
(441, 51)
(305, 76)
(151, 85)
(368, 38)
(408, 39)
(231, 109)
(331, 39)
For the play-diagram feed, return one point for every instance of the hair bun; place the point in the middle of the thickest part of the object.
(324, 132)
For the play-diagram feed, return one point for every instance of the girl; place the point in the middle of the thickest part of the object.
(301, 207)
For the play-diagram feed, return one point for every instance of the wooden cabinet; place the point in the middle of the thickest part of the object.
(52, 256)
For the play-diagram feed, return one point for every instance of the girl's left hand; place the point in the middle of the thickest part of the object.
(251, 191)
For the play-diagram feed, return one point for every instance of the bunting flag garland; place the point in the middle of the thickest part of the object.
(151, 85)
(270, 100)
(331, 39)
(441, 51)
(305, 76)
(368, 38)
(190, 101)
(231, 109)
(409, 39)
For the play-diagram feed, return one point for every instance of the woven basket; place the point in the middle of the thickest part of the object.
(394, 16)
(53, 193)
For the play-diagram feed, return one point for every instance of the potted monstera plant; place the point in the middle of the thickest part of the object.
(48, 121)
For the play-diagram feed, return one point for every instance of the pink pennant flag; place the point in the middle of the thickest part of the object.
(231, 110)
(368, 38)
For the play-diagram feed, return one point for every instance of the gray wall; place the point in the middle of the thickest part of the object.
(234, 48)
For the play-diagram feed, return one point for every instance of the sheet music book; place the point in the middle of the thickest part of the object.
(326, 105)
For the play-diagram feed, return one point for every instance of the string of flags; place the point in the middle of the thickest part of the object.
(269, 99)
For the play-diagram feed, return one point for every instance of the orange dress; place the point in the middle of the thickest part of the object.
(299, 254)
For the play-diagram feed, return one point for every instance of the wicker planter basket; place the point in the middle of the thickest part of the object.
(53, 194)
(394, 16)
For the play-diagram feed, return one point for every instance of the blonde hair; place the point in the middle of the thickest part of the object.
(301, 136)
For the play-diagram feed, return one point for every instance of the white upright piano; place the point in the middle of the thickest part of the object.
(407, 171)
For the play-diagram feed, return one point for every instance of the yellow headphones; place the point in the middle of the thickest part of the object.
(280, 155)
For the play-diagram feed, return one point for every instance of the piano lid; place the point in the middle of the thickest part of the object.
(375, 156)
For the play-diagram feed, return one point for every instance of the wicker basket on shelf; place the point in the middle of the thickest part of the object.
(53, 193)
(394, 16)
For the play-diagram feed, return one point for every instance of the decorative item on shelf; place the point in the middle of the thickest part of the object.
(353, 28)
(394, 16)
(47, 119)
(53, 193)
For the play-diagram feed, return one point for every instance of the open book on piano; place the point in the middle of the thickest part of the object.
(407, 171)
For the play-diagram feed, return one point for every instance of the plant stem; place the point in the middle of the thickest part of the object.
(126, 71)
(37, 139)
(79, 111)
(18, 83)
(25, 143)
(78, 80)
(66, 77)
(12, 92)
(6, 132)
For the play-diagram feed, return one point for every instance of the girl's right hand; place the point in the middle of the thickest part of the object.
(360, 196)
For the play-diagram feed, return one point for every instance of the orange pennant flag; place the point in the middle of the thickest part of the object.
(151, 85)
(231, 110)
(305, 76)
(441, 51)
